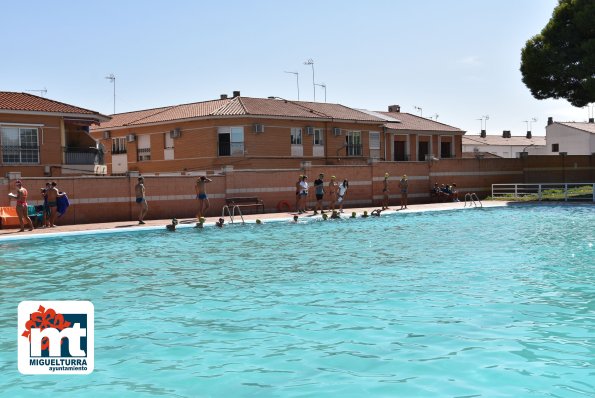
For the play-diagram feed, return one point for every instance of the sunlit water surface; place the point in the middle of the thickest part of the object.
(492, 303)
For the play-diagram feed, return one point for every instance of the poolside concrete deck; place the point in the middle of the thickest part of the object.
(12, 233)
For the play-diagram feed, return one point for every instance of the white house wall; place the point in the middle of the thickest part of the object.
(570, 140)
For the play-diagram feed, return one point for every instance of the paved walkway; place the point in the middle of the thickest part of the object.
(9, 234)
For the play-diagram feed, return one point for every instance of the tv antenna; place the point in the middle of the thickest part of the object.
(41, 92)
(421, 111)
(112, 78)
(297, 80)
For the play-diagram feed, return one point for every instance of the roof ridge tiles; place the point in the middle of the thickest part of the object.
(39, 98)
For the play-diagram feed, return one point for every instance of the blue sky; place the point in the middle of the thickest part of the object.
(455, 58)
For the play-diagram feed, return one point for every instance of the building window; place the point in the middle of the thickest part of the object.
(374, 145)
(19, 145)
(318, 136)
(231, 141)
(169, 141)
(118, 145)
(555, 147)
(353, 141)
(296, 136)
(144, 148)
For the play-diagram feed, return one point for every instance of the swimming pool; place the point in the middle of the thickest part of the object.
(492, 302)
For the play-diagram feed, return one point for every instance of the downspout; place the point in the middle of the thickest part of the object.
(384, 133)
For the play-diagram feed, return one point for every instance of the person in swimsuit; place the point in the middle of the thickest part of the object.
(141, 200)
(319, 188)
(297, 193)
(201, 195)
(404, 186)
(21, 207)
(53, 195)
(342, 191)
(332, 193)
(385, 192)
(303, 195)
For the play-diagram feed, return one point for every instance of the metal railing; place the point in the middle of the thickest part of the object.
(79, 155)
(15, 154)
(473, 199)
(230, 148)
(232, 212)
(354, 149)
(546, 191)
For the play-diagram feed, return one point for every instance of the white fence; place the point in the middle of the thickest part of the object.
(561, 191)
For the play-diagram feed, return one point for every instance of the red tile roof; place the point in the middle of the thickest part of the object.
(416, 123)
(240, 106)
(24, 102)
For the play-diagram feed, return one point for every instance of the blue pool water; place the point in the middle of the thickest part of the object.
(473, 303)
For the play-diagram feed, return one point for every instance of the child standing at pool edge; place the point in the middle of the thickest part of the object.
(342, 190)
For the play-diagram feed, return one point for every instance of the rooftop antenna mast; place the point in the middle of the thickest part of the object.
(297, 80)
(324, 87)
(311, 62)
(421, 111)
(41, 92)
(112, 78)
(529, 123)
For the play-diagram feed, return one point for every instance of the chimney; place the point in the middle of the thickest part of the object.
(223, 96)
(236, 94)
(483, 134)
(591, 120)
(529, 135)
(394, 108)
(550, 120)
(506, 134)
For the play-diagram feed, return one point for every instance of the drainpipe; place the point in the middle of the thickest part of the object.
(384, 133)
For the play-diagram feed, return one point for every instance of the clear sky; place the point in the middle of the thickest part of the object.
(455, 58)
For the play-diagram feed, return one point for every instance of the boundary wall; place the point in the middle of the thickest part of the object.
(97, 199)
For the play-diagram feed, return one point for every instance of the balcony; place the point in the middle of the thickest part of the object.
(354, 149)
(230, 149)
(80, 156)
(20, 154)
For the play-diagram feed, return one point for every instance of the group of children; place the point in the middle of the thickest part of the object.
(336, 193)
(446, 191)
(49, 209)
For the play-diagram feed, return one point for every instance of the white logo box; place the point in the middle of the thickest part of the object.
(80, 363)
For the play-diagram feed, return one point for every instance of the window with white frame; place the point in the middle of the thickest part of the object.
(374, 144)
(296, 136)
(144, 148)
(19, 145)
(230, 141)
(118, 145)
(169, 141)
(318, 136)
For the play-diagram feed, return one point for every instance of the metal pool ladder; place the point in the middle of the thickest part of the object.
(472, 197)
(232, 213)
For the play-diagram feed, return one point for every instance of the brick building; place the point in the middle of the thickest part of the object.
(39, 136)
(271, 133)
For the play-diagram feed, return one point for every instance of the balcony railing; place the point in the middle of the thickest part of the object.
(230, 148)
(18, 154)
(80, 155)
(354, 149)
